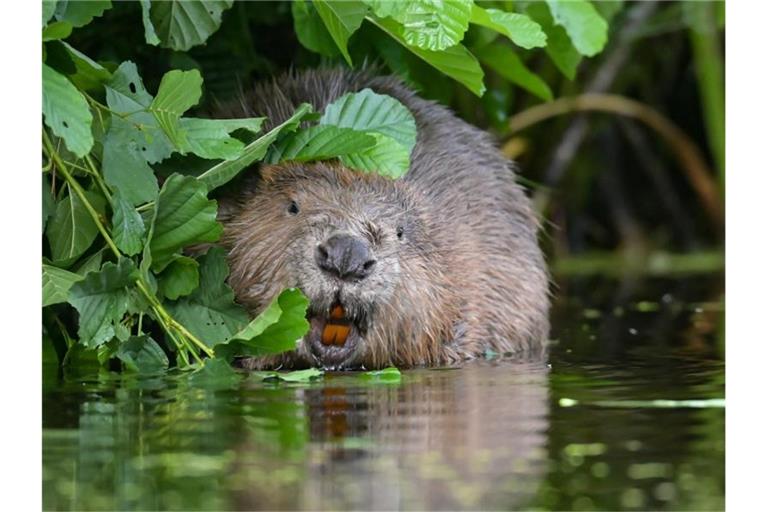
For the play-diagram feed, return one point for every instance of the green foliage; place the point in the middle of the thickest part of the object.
(127, 216)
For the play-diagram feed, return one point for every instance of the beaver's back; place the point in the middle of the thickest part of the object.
(480, 217)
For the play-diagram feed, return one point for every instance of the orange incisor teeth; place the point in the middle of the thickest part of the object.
(336, 329)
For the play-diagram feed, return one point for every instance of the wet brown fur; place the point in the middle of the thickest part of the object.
(469, 275)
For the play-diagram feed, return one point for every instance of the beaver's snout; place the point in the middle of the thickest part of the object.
(346, 257)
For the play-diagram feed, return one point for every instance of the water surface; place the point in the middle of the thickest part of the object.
(627, 413)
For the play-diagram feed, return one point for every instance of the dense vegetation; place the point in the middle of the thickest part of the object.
(130, 177)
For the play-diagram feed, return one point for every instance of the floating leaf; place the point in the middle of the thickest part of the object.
(71, 230)
(101, 298)
(210, 312)
(307, 375)
(56, 284)
(342, 19)
(127, 225)
(182, 24)
(519, 28)
(368, 111)
(142, 354)
(183, 215)
(178, 92)
(179, 278)
(66, 112)
(506, 63)
(221, 173)
(586, 28)
(390, 374)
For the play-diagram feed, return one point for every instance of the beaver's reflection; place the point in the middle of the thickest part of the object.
(444, 439)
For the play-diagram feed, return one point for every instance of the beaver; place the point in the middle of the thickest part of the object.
(431, 269)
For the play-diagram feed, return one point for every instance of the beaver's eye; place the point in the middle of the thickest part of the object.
(399, 232)
(293, 208)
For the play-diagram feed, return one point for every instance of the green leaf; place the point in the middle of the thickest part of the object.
(57, 30)
(183, 216)
(433, 24)
(209, 138)
(66, 112)
(506, 63)
(586, 28)
(559, 48)
(223, 172)
(210, 312)
(142, 354)
(456, 62)
(178, 92)
(179, 278)
(307, 375)
(182, 24)
(88, 73)
(519, 28)
(275, 330)
(56, 284)
(215, 373)
(72, 230)
(101, 299)
(81, 12)
(368, 111)
(321, 142)
(124, 167)
(150, 36)
(91, 263)
(49, 7)
(387, 157)
(342, 19)
(386, 8)
(390, 374)
(127, 226)
(49, 203)
(310, 29)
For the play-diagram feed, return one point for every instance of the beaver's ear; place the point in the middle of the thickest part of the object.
(269, 173)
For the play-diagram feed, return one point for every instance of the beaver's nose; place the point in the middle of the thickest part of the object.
(346, 257)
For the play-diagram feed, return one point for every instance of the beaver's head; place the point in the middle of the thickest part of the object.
(360, 249)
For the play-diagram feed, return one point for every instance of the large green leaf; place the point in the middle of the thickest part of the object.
(178, 92)
(182, 24)
(519, 28)
(321, 142)
(310, 29)
(505, 62)
(210, 312)
(57, 30)
(559, 46)
(180, 278)
(586, 28)
(56, 284)
(371, 112)
(387, 157)
(183, 215)
(456, 62)
(342, 19)
(221, 173)
(66, 112)
(71, 230)
(209, 138)
(127, 225)
(102, 300)
(275, 330)
(433, 24)
(88, 74)
(124, 167)
(79, 13)
(142, 354)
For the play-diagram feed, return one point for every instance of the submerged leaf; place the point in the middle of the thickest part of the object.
(101, 298)
(183, 215)
(66, 112)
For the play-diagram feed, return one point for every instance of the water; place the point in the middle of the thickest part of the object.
(584, 430)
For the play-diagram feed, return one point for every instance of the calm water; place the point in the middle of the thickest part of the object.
(628, 413)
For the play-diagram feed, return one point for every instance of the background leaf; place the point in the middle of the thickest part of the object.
(342, 19)
(66, 112)
(179, 278)
(519, 28)
(505, 62)
(183, 215)
(310, 29)
(71, 230)
(180, 25)
(587, 29)
(79, 13)
(559, 47)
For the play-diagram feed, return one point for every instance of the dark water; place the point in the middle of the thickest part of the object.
(628, 413)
